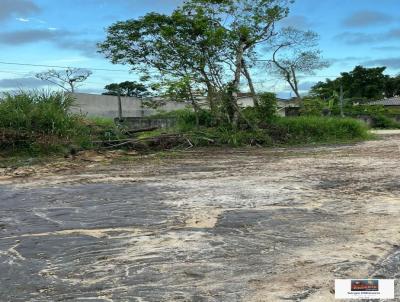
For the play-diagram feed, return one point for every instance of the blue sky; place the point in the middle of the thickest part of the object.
(65, 32)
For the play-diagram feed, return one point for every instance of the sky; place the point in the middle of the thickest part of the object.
(65, 33)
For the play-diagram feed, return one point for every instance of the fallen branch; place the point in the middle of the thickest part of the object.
(162, 140)
(133, 131)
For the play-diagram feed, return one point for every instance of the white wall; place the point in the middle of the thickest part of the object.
(107, 106)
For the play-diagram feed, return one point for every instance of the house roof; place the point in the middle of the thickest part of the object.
(395, 101)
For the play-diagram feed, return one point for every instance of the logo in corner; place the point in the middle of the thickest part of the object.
(364, 285)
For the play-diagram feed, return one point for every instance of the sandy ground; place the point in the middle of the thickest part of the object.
(206, 225)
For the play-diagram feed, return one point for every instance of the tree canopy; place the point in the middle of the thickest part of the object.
(127, 88)
(67, 79)
(361, 82)
(294, 53)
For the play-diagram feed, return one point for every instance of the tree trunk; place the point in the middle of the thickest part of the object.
(210, 97)
(235, 85)
(250, 83)
(195, 107)
(295, 85)
(119, 107)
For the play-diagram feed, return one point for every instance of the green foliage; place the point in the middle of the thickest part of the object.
(267, 105)
(227, 137)
(264, 112)
(188, 50)
(381, 117)
(366, 110)
(392, 87)
(43, 112)
(40, 122)
(360, 83)
(127, 88)
(381, 121)
(312, 129)
(278, 131)
(312, 106)
(186, 119)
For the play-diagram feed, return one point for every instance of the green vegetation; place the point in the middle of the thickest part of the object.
(313, 129)
(271, 131)
(361, 84)
(381, 117)
(40, 122)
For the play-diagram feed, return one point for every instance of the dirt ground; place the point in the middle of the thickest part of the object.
(205, 225)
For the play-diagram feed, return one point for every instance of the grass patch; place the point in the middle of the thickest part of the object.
(275, 131)
(310, 130)
(39, 122)
(384, 122)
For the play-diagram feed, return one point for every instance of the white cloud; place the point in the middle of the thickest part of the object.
(22, 19)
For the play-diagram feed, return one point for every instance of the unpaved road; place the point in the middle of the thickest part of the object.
(222, 225)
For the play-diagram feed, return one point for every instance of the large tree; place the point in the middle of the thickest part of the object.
(171, 48)
(392, 87)
(67, 79)
(249, 23)
(295, 53)
(360, 83)
(206, 43)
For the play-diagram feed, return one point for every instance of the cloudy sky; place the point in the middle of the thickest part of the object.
(65, 33)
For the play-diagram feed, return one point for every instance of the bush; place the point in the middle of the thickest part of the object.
(40, 122)
(265, 111)
(312, 107)
(379, 114)
(272, 131)
(228, 137)
(383, 122)
(267, 105)
(312, 129)
(186, 118)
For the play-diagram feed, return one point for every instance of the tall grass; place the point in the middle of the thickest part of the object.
(43, 112)
(40, 122)
(312, 129)
(272, 130)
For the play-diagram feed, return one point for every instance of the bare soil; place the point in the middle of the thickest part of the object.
(207, 225)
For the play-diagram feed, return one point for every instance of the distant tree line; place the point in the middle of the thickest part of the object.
(362, 84)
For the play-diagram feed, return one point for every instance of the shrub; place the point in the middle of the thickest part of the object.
(228, 137)
(383, 122)
(40, 122)
(265, 111)
(381, 116)
(186, 118)
(312, 129)
(312, 107)
(273, 131)
(267, 105)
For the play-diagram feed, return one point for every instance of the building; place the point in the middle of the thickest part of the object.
(284, 107)
(389, 103)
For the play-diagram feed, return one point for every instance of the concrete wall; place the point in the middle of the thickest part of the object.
(107, 106)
